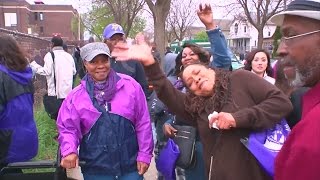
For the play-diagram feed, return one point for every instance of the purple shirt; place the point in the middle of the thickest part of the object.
(77, 115)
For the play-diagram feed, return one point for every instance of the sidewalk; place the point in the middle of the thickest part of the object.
(151, 174)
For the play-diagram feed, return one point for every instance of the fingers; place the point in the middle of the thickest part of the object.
(200, 7)
(70, 161)
(169, 131)
(139, 168)
(222, 120)
(142, 167)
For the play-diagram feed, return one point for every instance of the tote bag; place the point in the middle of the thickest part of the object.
(265, 145)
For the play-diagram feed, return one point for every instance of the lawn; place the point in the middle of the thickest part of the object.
(47, 145)
(46, 131)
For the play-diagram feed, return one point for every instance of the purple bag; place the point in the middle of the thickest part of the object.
(166, 162)
(265, 145)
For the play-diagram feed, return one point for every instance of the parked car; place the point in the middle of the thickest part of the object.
(235, 62)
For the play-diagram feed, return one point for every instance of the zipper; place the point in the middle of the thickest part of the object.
(210, 170)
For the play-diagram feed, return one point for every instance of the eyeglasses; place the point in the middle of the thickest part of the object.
(286, 39)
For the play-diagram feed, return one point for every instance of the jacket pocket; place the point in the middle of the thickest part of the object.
(5, 141)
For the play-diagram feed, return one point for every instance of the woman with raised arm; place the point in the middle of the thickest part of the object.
(243, 101)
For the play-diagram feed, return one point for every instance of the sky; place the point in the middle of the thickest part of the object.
(83, 6)
(77, 4)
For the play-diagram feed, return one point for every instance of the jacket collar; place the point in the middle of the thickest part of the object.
(311, 99)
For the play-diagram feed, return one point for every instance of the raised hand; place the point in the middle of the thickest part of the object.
(140, 51)
(205, 15)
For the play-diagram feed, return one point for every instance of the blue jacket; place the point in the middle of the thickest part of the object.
(219, 49)
(18, 132)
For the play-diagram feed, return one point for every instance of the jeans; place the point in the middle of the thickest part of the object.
(128, 176)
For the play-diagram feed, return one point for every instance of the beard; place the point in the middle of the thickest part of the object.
(307, 74)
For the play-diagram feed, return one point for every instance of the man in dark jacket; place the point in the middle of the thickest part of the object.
(112, 34)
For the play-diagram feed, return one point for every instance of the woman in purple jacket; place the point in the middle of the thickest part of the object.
(107, 117)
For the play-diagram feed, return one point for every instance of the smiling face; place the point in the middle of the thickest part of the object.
(99, 67)
(259, 63)
(188, 56)
(199, 79)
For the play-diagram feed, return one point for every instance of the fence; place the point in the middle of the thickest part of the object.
(35, 48)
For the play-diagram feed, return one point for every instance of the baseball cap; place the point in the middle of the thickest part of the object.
(304, 8)
(91, 50)
(112, 29)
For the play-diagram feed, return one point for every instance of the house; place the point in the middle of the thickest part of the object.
(224, 25)
(244, 36)
(39, 19)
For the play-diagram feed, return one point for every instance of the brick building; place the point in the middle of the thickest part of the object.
(39, 19)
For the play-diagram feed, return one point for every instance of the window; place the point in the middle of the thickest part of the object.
(10, 19)
(269, 33)
(29, 31)
(41, 29)
(41, 16)
(36, 16)
(245, 28)
(236, 28)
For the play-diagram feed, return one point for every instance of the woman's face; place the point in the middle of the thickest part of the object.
(99, 67)
(199, 79)
(188, 56)
(259, 63)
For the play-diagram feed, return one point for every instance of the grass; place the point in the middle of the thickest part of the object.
(47, 149)
(46, 132)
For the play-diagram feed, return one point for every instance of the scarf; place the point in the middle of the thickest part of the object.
(104, 91)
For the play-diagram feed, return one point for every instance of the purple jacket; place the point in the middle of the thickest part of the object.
(77, 115)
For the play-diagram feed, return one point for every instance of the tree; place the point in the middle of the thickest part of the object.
(257, 12)
(124, 12)
(202, 35)
(121, 12)
(159, 10)
(276, 38)
(182, 15)
(75, 27)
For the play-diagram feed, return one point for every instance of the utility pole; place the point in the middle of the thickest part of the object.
(79, 22)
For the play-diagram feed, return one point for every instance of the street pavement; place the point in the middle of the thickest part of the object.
(151, 174)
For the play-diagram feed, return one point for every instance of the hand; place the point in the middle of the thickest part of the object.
(205, 16)
(140, 51)
(142, 167)
(169, 131)
(70, 161)
(223, 121)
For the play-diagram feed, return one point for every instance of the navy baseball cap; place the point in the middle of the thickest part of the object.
(112, 29)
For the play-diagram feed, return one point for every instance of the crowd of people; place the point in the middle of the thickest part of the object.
(127, 105)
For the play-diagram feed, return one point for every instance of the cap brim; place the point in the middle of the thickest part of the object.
(278, 18)
(95, 53)
(113, 33)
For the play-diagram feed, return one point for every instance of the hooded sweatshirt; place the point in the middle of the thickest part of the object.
(18, 132)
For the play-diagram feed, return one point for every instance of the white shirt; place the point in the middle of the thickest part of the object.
(268, 78)
(64, 71)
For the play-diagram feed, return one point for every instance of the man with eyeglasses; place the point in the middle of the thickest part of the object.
(112, 34)
(299, 157)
